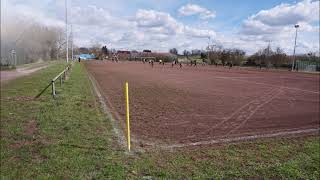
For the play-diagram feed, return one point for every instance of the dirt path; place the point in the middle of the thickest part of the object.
(9, 75)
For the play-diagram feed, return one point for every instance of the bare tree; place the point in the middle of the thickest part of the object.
(278, 57)
(173, 51)
(186, 53)
(238, 56)
(267, 57)
(31, 42)
(214, 54)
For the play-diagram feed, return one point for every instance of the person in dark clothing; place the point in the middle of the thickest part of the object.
(195, 62)
(152, 63)
(79, 59)
(230, 65)
(180, 65)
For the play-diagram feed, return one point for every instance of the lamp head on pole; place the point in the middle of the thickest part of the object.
(296, 26)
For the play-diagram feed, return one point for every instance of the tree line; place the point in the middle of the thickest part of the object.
(31, 42)
(264, 57)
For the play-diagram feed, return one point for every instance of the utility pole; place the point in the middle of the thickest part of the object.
(66, 6)
(294, 48)
(269, 47)
(208, 49)
(71, 43)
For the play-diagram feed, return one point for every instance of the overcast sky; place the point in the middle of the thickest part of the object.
(184, 24)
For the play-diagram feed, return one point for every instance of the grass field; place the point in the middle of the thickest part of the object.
(70, 137)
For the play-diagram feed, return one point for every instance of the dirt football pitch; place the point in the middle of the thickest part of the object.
(173, 106)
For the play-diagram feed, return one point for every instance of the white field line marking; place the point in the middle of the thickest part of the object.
(285, 87)
(255, 110)
(117, 131)
(213, 116)
(177, 123)
(236, 112)
(241, 138)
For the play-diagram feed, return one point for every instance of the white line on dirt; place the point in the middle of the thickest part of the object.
(224, 120)
(273, 96)
(115, 127)
(285, 87)
(242, 138)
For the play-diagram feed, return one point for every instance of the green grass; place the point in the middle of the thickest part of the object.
(7, 68)
(38, 64)
(69, 137)
(281, 158)
(190, 58)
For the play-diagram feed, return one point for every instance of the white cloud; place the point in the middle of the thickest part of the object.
(163, 23)
(277, 24)
(145, 29)
(286, 14)
(194, 9)
(275, 20)
(158, 30)
(200, 33)
(25, 13)
(157, 22)
(90, 16)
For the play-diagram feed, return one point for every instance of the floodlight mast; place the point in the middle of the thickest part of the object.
(67, 49)
(294, 48)
(208, 48)
(71, 43)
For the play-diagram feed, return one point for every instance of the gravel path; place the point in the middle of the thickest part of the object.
(13, 74)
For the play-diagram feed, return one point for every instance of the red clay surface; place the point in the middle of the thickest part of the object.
(172, 105)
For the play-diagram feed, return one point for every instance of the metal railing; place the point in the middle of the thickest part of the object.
(61, 76)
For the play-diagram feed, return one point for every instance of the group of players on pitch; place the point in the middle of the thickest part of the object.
(175, 62)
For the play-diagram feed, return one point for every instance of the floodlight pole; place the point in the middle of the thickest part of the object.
(269, 47)
(208, 49)
(294, 48)
(71, 43)
(66, 6)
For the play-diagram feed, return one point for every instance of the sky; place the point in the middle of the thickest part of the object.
(183, 24)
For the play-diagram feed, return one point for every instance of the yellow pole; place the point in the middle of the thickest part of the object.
(128, 121)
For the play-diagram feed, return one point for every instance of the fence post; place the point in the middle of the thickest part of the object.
(53, 89)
